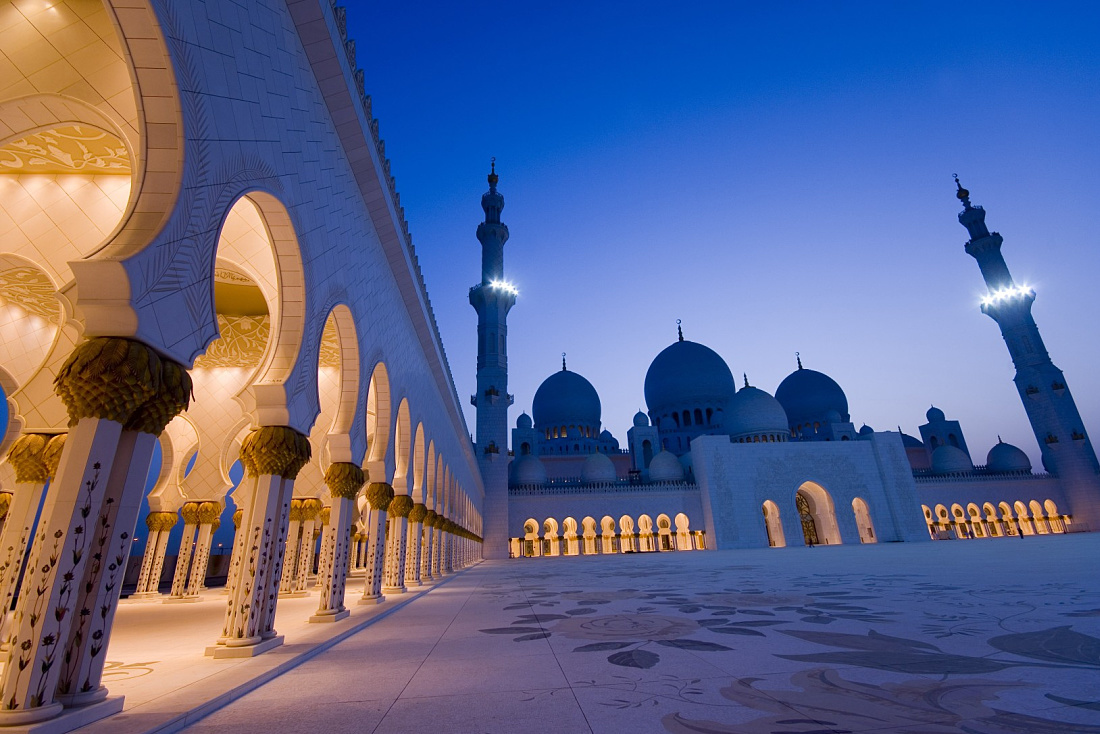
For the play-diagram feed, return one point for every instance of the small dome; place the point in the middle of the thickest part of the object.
(605, 435)
(912, 442)
(565, 398)
(688, 463)
(753, 411)
(665, 467)
(809, 395)
(524, 421)
(528, 470)
(935, 415)
(598, 468)
(641, 420)
(866, 430)
(686, 374)
(1006, 457)
(949, 459)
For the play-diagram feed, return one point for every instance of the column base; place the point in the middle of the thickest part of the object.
(144, 595)
(331, 616)
(357, 573)
(293, 594)
(183, 599)
(73, 700)
(412, 583)
(394, 589)
(373, 599)
(222, 652)
(59, 720)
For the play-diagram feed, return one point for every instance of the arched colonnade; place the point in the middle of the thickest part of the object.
(194, 295)
(1003, 520)
(590, 537)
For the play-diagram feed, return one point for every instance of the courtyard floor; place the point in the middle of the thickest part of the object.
(979, 636)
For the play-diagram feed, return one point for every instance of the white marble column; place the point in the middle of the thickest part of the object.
(415, 544)
(311, 509)
(190, 513)
(27, 457)
(272, 457)
(290, 555)
(209, 518)
(426, 551)
(379, 495)
(397, 537)
(107, 385)
(344, 481)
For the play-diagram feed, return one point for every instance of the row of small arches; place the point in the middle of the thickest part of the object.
(606, 537)
(1004, 520)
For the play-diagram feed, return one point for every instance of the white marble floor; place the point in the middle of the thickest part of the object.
(975, 636)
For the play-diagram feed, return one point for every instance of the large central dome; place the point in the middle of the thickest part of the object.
(566, 399)
(808, 396)
(687, 374)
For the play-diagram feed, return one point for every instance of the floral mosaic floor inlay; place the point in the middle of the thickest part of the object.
(982, 637)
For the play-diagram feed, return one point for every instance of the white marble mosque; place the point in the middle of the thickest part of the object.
(227, 393)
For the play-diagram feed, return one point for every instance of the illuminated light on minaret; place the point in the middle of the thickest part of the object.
(1067, 450)
(492, 298)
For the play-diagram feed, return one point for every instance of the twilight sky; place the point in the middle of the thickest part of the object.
(777, 175)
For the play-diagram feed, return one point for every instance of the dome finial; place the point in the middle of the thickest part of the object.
(493, 177)
(999, 438)
(962, 194)
(746, 376)
(798, 358)
(679, 331)
(563, 361)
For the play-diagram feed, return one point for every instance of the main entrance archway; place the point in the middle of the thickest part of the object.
(817, 515)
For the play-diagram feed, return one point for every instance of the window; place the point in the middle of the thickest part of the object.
(687, 418)
(710, 415)
(698, 417)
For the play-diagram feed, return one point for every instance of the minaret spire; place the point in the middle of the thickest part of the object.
(1055, 420)
(493, 298)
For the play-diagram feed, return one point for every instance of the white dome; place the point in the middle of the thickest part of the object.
(752, 412)
(949, 459)
(665, 467)
(528, 470)
(1006, 457)
(641, 420)
(524, 421)
(598, 468)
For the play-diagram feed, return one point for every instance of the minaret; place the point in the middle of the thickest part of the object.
(1067, 451)
(493, 297)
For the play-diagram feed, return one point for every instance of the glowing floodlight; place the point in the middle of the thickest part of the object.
(1007, 294)
(503, 285)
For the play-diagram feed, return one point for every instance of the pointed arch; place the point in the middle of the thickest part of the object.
(379, 422)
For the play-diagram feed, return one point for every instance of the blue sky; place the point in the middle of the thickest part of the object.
(776, 175)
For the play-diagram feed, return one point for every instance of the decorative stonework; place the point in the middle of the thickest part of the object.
(401, 506)
(25, 456)
(344, 480)
(380, 495)
(241, 344)
(275, 450)
(30, 289)
(68, 149)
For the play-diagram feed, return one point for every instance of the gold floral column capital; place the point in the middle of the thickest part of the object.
(311, 508)
(52, 453)
(380, 495)
(401, 505)
(275, 450)
(190, 512)
(237, 515)
(295, 510)
(160, 521)
(345, 479)
(209, 512)
(26, 457)
(429, 518)
(418, 512)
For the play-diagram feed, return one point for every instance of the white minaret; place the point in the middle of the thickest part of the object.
(493, 297)
(1067, 451)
